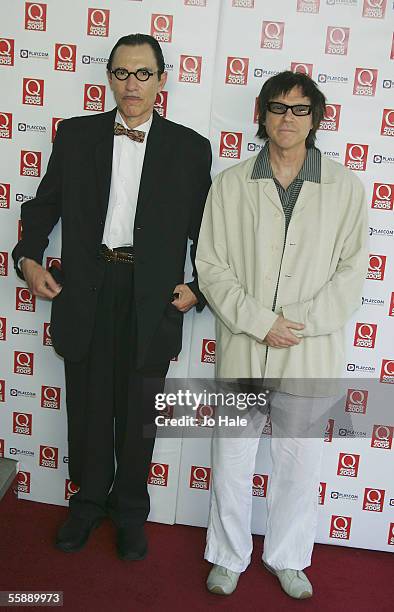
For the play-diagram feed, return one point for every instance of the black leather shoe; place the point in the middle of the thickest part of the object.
(75, 532)
(131, 543)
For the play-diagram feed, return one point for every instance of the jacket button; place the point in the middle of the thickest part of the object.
(93, 288)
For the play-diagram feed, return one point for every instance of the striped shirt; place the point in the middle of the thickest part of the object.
(310, 171)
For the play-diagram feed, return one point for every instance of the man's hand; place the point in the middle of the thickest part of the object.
(186, 298)
(280, 334)
(39, 281)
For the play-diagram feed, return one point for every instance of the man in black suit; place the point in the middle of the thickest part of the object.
(129, 188)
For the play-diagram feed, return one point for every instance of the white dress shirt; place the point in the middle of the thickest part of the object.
(127, 161)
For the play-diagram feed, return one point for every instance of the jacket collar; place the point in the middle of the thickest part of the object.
(328, 174)
(310, 189)
(310, 171)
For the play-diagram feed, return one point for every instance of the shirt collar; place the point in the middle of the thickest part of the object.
(144, 127)
(310, 171)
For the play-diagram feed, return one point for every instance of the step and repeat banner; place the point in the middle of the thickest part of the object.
(218, 54)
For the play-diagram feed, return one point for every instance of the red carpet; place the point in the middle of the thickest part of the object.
(173, 575)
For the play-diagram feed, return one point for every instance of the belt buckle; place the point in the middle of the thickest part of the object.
(124, 257)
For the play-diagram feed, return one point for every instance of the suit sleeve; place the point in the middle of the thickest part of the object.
(41, 214)
(199, 195)
(333, 305)
(238, 310)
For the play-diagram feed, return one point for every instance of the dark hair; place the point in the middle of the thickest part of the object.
(281, 84)
(135, 40)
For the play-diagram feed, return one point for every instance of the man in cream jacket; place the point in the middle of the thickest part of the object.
(281, 258)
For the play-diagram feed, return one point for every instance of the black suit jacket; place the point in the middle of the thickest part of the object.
(174, 184)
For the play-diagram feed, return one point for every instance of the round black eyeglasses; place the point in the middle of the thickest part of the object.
(142, 74)
(278, 108)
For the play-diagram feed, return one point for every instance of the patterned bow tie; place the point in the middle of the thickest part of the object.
(120, 130)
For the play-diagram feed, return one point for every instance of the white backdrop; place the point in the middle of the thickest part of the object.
(218, 55)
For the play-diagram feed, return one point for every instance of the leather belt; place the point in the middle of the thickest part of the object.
(124, 255)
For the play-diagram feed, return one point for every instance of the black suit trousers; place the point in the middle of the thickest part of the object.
(110, 411)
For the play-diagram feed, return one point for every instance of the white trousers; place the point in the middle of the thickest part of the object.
(292, 497)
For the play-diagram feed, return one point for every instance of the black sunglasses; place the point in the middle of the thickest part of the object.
(300, 110)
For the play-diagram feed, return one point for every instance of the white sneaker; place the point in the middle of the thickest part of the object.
(293, 582)
(222, 581)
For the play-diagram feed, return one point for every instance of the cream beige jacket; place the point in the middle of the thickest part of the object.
(321, 274)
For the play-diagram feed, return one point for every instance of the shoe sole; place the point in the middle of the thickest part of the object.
(304, 594)
(68, 549)
(217, 590)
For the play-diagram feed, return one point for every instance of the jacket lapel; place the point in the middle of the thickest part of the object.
(268, 190)
(103, 157)
(310, 191)
(266, 187)
(151, 169)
